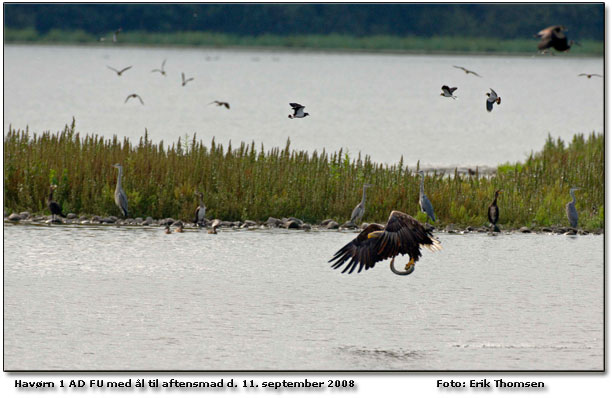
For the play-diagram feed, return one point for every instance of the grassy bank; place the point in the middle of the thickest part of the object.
(317, 42)
(245, 182)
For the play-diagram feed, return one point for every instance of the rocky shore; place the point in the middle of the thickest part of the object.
(282, 223)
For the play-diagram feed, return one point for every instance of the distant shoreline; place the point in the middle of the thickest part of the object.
(306, 43)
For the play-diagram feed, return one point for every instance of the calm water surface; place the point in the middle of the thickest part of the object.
(135, 298)
(385, 106)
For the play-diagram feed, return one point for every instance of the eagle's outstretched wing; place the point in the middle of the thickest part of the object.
(401, 235)
(404, 235)
(360, 251)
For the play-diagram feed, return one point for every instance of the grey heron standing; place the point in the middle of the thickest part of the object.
(120, 196)
(200, 211)
(359, 210)
(424, 202)
(54, 207)
(570, 209)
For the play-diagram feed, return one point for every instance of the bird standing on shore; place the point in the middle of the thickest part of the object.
(570, 209)
(426, 206)
(214, 226)
(448, 92)
(401, 235)
(359, 210)
(116, 34)
(120, 196)
(298, 111)
(54, 207)
(492, 98)
(493, 212)
(200, 211)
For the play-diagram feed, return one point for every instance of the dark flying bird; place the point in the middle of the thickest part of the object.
(493, 98)
(589, 75)
(221, 103)
(553, 37)
(119, 72)
(467, 71)
(448, 91)
(54, 207)
(401, 235)
(493, 212)
(133, 96)
(185, 81)
(298, 111)
(162, 71)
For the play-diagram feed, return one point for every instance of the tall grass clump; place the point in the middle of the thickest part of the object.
(245, 182)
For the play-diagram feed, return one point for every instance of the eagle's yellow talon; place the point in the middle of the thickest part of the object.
(410, 264)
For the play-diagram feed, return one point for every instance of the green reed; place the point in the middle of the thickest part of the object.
(248, 182)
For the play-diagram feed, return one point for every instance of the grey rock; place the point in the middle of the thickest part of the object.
(524, 230)
(292, 224)
(14, 217)
(24, 215)
(306, 227)
(325, 222)
(348, 225)
(71, 216)
(451, 229)
(273, 222)
(297, 220)
(250, 223)
(177, 223)
(546, 229)
(332, 225)
(108, 220)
